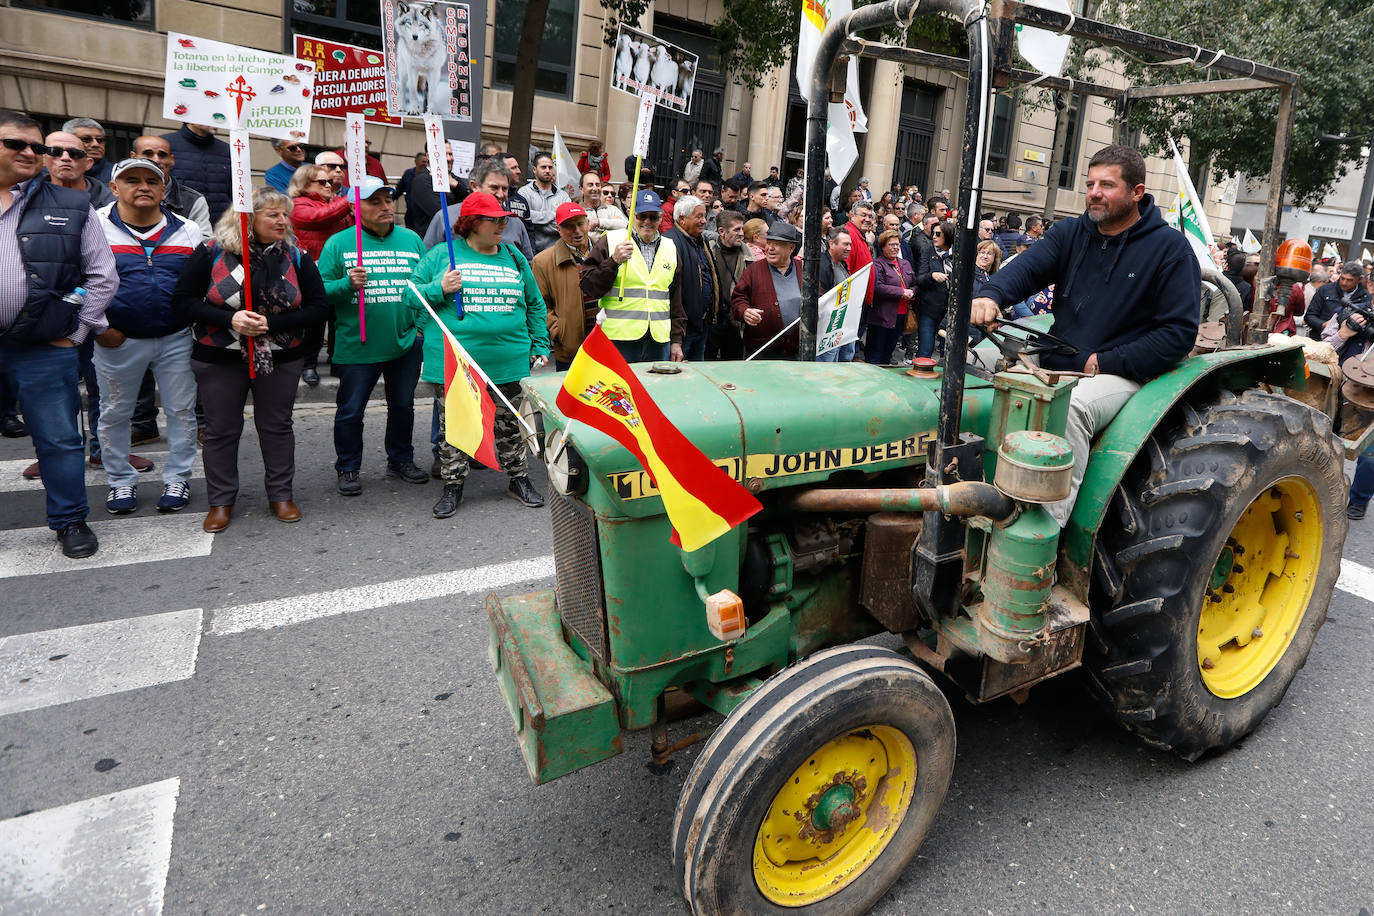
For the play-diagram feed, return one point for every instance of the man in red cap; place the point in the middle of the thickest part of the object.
(558, 271)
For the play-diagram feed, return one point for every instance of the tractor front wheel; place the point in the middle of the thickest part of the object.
(1224, 545)
(815, 793)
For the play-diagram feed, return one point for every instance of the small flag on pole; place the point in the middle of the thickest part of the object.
(469, 412)
(702, 501)
(564, 165)
(1250, 244)
(1192, 219)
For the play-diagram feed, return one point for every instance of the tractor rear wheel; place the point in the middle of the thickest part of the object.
(815, 793)
(1220, 554)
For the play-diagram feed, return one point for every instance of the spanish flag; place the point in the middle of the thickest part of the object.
(703, 502)
(469, 413)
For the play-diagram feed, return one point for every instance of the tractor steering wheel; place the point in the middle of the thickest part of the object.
(1034, 343)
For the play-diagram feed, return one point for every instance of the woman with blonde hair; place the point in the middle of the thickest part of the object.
(316, 214)
(754, 231)
(287, 296)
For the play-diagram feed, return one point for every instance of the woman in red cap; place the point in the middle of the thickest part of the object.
(503, 327)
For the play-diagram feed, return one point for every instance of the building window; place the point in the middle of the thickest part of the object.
(1003, 127)
(354, 22)
(130, 12)
(557, 52)
(1068, 169)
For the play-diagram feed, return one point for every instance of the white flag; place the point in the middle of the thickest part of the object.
(840, 147)
(1365, 255)
(1192, 219)
(564, 165)
(837, 313)
(1250, 244)
(1045, 51)
(816, 14)
(1331, 251)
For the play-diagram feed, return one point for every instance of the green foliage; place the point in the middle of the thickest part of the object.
(1325, 42)
(758, 36)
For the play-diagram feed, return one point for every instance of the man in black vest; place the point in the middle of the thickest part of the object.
(51, 246)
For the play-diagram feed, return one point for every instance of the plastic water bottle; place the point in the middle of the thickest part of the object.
(76, 297)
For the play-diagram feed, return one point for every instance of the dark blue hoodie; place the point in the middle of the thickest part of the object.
(1131, 298)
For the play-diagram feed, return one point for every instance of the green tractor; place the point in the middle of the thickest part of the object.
(1189, 583)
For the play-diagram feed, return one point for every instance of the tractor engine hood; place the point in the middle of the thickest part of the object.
(768, 424)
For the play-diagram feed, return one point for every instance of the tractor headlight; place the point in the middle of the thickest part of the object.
(567, 470)
(532, 428)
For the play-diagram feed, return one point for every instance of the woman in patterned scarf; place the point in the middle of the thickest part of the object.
(287, 295)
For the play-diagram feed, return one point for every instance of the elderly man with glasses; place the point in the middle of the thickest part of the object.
(292, 157)
(637, 277)
(92, 137)
(69, 165)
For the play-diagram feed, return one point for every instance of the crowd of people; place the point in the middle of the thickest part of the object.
(134, 279)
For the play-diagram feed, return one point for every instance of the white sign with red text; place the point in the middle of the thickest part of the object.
(355, 147)
(240, 172)
(434, 148)
(646, 121)
(223, 85)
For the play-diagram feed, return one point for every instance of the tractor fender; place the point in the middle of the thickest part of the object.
(1116, 448)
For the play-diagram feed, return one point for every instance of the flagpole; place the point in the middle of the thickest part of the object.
(358, 234)
(448, 240)
(634, 192)
(774, 338)
(245, 257)
(468, 356)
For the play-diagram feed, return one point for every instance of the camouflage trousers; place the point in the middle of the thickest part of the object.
(510, 450)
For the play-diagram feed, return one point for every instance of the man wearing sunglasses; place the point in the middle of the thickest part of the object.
(51, 243)
(92, 137)
(67, 165)
(292, 157)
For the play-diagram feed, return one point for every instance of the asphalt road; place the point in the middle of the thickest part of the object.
(350, 753)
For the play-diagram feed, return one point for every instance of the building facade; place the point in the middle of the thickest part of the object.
(104, 59)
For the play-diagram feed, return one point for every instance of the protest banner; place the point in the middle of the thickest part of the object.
(347, 78)
(224, 85)
(645, 65)
(428, 58)
(837, 313)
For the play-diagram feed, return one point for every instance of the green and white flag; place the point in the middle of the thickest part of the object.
(1251, 245)
(564, 165)
(1192, 219)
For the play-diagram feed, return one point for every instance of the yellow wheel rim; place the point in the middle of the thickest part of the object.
(1260, 587)
(834, 816)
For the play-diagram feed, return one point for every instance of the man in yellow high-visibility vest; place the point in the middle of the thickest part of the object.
(636, 277)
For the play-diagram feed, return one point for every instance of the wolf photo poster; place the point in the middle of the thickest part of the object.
(430, 61)
(645, 65)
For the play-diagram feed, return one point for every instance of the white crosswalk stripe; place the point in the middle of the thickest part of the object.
(103, 855)
(78, 663)
(12, 474)
(144, 539)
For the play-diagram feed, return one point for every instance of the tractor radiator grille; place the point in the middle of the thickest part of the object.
(578, 565)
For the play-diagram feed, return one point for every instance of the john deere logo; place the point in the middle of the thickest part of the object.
(612, 398)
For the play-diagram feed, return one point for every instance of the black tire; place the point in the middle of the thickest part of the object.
(1256, 460)
(833, 698)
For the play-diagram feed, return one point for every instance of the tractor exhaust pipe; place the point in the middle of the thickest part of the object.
(965, 499)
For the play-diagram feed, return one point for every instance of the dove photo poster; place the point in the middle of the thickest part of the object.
(223, 85)
(430, 59)
(347, 78)
(645, 65)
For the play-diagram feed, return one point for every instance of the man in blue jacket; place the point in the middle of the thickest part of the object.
(1126, 295)
(150, 245)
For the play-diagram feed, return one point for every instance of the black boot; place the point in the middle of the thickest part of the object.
(448, 502)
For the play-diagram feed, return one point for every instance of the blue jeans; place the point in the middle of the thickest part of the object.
(1362, 485)
(844, 353)
(643, 350)
(881, 342)
(356, 382)
(86, 369)
(120, 370)
(1021, 310)
(694, 345)
(44, 378)
(927, 326)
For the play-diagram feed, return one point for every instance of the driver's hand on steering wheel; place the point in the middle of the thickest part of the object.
(984, 311)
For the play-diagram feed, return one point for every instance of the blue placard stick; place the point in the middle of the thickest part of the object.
(448, 239)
